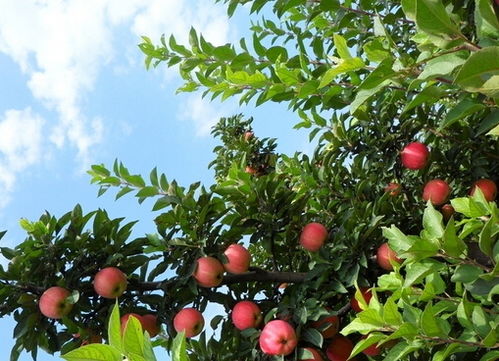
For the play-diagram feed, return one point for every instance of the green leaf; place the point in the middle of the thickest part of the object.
(430, 94)
(432, 223)
(114, 328)
(343, 66)
(486, 241)
(442, 65)
(365, 343)
(429, 323)
(415, 272)
(463, 109)
(490, 356)
(480, 321)
(397, 240)
(133, 337)
(486, 19)
(375, 51)
(466, 273)
(93, 352)
(469, 207)
(480, 73)
(313, 336)
(287, 76)
(179, 352)
(451, 243)
(409, 7)
(341, 47)
(391, 313)
(432, 18)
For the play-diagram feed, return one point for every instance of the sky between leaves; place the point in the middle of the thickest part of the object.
(74, 91)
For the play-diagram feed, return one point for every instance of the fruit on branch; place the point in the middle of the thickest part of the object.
(110, 282)
(437, 191)
(246, 314)
(316, 356)
(339, 349)
(372, 350)
(415, 156)
(238, 259)
(313, 236)
(248, 135)
(488, 188)
(328, 324)
(366, 294)
(54, 304)
(278, 338)
(150, 324)
(385, 256)
(209, 272)
(447, 211)
(190, 321)
(393, 189)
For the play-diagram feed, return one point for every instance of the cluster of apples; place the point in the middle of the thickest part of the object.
(109, 282)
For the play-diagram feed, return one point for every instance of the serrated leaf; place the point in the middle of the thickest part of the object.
(93, 352)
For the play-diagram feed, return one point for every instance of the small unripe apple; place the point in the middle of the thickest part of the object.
(316, 356)
(246, 314)
(313, 236)
(437, 191)
(385, 256)
(372, 350)
(209, 272)
(339, 349)
(189, 320)
(447, 211)
(328, 324)
(238, 259)
(278, 338)
(393, 189)
(415, 155)
(53, 302)
(366, 294)
(110, 282)
(488, 188)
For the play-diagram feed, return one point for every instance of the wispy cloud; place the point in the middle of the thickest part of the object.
(62, 47)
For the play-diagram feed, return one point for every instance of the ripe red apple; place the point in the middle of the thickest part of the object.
(209, 272)
(384, 255)
(110, 282)
(415, 155)
(246, 314)
(332, 323)
(278, 338)
(313, 236)
(488, 188)
(189, 320)
(53, 302)
(339, 349)
(437, 191)
(447, 211)
(372, 350)
(150, 324)
(366, 294)
(238, 259)
(393, 189)
(316, 356)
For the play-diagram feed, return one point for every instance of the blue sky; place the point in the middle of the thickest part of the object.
(74, 92)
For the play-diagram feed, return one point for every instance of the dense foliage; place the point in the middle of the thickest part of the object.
(366, 77)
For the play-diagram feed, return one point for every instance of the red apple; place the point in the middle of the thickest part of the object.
(437, 191)
(372, 350)
(447, 211)
(238, 259)
(332, 323)
(189, 320)
(248, 135)
(393, 189)
(385, 256)
(150, 324)
(366, 294)
(278, 338)
(209, 272)
(246, 314)
(316, 356)
(110, 282)
(53, 302)
(415, 156)
(488, 188)
(313, 236)
(339, 349)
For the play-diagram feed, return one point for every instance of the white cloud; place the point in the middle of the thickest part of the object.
(63, 45)
(21, 146)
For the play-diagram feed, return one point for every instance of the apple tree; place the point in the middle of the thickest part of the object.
(380, 244)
